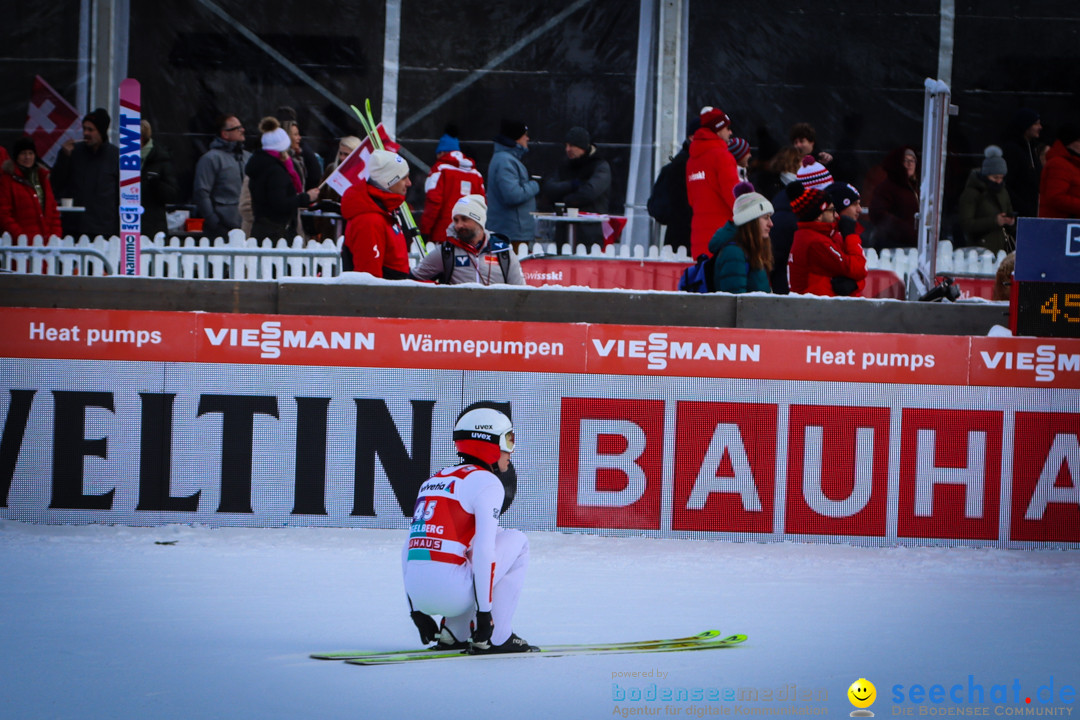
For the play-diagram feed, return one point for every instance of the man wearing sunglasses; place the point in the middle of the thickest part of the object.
(219, 176)
(458, 563)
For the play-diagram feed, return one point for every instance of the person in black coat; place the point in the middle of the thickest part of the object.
(277, 191)
(89, 173)
(668, 203)
(159, 186)
(1020, 149)
(582, 182)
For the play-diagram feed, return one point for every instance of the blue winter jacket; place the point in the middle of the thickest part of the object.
(511, 195)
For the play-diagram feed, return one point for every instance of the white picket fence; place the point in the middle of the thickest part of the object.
(234, 257)
(959, 261)
(240, 258)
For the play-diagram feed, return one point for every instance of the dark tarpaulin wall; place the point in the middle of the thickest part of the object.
(39, 39)
(580, 71)
(854, 70)
(194, 65)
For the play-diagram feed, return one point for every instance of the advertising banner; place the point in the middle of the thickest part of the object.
(147, 418)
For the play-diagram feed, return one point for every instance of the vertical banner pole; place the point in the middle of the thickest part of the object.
(130, 176)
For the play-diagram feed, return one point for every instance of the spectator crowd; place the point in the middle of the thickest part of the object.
(796, 221)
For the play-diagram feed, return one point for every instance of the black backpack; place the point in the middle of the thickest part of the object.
(498, 245)
(668, 202)
(698, 278)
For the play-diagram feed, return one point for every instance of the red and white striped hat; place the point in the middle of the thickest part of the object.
(813, 174)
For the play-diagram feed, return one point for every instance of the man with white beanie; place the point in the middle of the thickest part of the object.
(471, 254)
(375, 241)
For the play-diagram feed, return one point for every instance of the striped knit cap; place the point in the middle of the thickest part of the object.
(738, 147)
(806, 203)
(813, 174)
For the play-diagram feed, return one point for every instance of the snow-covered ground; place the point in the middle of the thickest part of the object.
(105, 622)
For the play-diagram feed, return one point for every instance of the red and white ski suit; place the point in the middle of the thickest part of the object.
(453, 176)
(457, 559)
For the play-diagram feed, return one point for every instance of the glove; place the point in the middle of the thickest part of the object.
(844, 286)
(484, 627)
(847, 225)
(429, 629)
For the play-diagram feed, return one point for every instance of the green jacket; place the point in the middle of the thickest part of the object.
(731, 272)
(978, 208)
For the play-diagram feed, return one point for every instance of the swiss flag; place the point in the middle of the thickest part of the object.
(354, 167)
(50, 121)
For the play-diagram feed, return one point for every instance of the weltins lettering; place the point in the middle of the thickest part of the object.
(270, 338)
(1044, 361)
(657, 349)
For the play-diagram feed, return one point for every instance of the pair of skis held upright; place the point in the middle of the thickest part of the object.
(372, 130)
(708, 640)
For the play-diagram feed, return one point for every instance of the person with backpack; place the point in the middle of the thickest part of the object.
(471, 254)
(668, 204)
(741, 248)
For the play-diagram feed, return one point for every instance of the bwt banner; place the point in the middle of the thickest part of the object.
(155, 417)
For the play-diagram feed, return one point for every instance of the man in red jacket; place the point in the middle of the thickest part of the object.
(1059, 185)
(374, 239)
(824, 261)
(711, 176)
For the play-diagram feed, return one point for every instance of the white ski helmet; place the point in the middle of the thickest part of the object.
(483, 432)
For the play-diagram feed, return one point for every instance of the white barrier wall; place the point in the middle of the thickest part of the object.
(156, 417)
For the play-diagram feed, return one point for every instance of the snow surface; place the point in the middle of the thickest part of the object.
(104, 622)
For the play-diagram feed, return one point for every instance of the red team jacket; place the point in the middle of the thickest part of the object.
(1059, 187)
(711, 176)
(455, 521)
(20, 209)
(818, 254)
(372, 234)
(453, 176)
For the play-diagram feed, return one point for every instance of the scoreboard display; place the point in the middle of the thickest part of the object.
(1048, 277)
(1048, 309)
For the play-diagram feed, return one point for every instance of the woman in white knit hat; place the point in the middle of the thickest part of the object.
(741, 247)
(277, 191)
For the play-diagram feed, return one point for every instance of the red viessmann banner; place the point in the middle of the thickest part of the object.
(540, 347)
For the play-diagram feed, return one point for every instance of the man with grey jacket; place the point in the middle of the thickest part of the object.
(219, 176)
(511, 193)
(471, 254)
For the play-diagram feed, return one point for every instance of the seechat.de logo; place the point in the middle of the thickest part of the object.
(862, 695)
